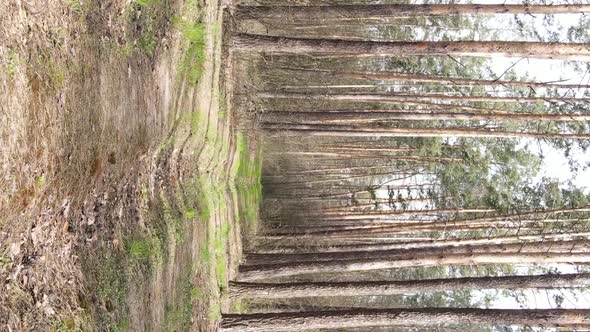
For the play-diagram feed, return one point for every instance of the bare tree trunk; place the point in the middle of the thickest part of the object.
(392, 317)
(347, 244)
(368, 288)
(443, 80)
(538, 215)
(401, 98)
(578, 246)
(399, 10)
(353, 117)
(259, 43)
(251, 273)
(365, 131)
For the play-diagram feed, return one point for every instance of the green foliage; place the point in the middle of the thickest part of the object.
(177, 315)
(147, 3)
(221, 255)
(147, 43)
(143, 249)
(205, 199)
(193, 59)
(67, 325)
(107, 276)
(10, 62)
(248, 180)
(148, 18)
(75, 5)
(214, 313)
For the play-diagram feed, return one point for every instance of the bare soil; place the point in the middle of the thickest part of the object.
(119, 208)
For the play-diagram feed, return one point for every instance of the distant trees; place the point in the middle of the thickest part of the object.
(400, 169)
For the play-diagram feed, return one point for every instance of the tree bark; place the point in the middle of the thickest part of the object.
(354, 117)
(392, 317)
(578, 246)
(370, 288)
(443, 80)
(383, 244)
(251, 273)
(392, 11)
(259, 43)
(366, 131)
(401, 98)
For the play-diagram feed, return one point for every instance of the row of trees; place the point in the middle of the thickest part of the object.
(403, 183)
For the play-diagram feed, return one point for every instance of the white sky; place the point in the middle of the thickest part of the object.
(555, 164)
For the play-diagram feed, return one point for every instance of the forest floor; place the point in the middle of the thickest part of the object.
(124, 185)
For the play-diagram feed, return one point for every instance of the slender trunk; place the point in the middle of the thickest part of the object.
(539, 214)
(348, 215)
(368, 148)
(353, 117)
(347, 245)
(400, 98)
(343, 178)
(357, 12)
(578, 246)
(369, 288)
(365, 131)
(443, 80)
(524, 225)
(392, 317)
(257, 272)
(259, 43)
(335, 169)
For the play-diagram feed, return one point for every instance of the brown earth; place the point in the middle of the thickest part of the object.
(118, 203)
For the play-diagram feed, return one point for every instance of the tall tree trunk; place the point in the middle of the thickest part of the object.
(401, 98)
(558, 246)
(366, 131)
(392, 11)
(259, 43)
(538, 215)
(353, 117)
(277, 246)
(369, 288)
(251, 273)
(443, 80)
(392, 317)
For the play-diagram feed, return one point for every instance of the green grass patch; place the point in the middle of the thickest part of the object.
(222, 101)
(206, 257)
(5, 261)
(150, 19)
(11, 62)
(190, 213)
(221, 256)
(144, 249)
(65, 325)
(191, 63)
(248, 179)
(205, 199)
(147, 3)
(240, 306)
(177, 317)
(75, 6)
(214, 313)
(112, 280)
(147, 43)
(107, 277)
(195, 121)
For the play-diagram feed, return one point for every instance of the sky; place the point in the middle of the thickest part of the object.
(555, 164)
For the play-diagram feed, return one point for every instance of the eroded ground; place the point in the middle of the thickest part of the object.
(124, 184)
